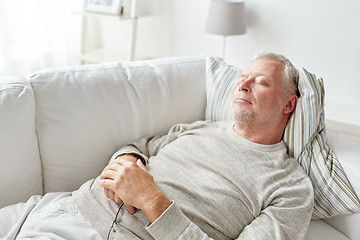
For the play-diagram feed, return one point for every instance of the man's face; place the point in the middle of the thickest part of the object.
(258, 99)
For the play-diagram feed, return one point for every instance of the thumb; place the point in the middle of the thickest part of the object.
(141, 165)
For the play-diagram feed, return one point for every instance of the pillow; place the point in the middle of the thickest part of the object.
(220, 85)
(304, 136)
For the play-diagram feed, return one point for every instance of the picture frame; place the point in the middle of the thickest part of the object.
(115, 7)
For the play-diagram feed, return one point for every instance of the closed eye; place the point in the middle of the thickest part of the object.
(262, 81)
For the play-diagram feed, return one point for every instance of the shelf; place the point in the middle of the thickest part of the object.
(107, 55)
(108, 16)
(111, 55)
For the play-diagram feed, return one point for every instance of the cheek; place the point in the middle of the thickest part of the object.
(268, 99)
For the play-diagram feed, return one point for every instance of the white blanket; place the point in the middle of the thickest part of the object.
(53, 216)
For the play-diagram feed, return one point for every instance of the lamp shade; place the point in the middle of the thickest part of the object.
(226, 17)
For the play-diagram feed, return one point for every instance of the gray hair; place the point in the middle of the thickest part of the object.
(290, 74)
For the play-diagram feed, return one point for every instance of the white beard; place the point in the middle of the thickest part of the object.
(244, 118)
(247, 118)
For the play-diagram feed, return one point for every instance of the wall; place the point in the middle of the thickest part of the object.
(322, 36)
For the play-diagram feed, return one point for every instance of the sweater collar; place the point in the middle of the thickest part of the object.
(256, 146)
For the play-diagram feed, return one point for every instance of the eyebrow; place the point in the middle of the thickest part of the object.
(256, 74)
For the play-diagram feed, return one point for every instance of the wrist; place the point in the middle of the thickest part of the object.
(155, 206)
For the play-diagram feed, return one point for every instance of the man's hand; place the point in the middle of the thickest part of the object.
(132, 184)
(110, 194)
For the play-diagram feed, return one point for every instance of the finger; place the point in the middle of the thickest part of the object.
(106, 192)
(106, 184)
(116, 160)
(111, 165)
(114, 164)
(141, 165)
(118, 200)
(111, 195)
(130, 209)
(108, 174)
(119, 161)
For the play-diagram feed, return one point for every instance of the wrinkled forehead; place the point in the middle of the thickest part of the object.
(265, 67)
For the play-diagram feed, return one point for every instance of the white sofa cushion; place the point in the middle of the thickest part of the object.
(19, 152)
(85, 113)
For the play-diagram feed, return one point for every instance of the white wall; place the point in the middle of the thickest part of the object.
(320, 35)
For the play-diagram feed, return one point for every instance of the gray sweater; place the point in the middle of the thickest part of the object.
(222, 187)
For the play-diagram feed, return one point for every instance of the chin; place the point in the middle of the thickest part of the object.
(244, 118)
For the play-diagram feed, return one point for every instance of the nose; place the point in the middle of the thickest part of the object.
(245, 85)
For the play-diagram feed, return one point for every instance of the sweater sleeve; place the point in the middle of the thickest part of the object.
(173, 224)
(287, 215)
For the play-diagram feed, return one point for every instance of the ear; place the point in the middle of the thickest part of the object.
(291, 104)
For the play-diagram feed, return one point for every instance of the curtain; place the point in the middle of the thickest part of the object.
(38, 34)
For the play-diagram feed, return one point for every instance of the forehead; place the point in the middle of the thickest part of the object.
(265, 67)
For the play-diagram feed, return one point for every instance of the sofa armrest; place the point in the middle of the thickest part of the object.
(348, 153)
(348, 225)
(319, 229)
(20, 167)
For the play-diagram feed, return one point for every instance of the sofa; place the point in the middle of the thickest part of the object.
(59, 127)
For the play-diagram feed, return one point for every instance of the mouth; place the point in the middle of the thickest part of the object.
(242, 100)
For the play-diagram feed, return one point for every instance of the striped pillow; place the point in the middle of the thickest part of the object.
(304, 136)
(220, 85)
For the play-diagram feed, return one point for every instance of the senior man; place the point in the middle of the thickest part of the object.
(208, 180)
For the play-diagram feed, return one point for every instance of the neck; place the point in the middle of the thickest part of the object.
(266, 135)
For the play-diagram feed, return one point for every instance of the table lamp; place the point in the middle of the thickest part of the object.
(226, 17)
